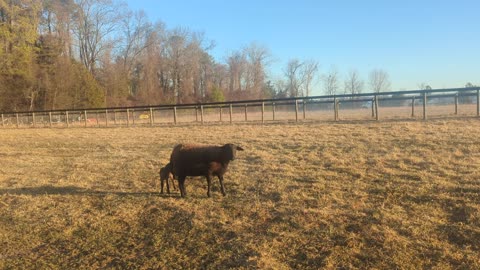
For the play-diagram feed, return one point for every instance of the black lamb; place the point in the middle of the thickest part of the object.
(165, 175)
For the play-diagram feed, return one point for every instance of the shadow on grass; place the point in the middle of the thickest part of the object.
(73, 190)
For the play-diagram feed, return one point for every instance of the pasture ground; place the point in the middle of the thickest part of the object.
(376, 195)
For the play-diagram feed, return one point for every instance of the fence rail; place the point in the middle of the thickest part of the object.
(262, 110)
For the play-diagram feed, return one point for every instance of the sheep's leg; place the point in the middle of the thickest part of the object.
(173, 183)
(222, 188)
(209, 184)
(181, 185)
(168, 186)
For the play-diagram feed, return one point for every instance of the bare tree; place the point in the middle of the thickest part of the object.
(292, 72)
(300, 76)
(308, 74)
(236, 67)
(189, 67)
(331, 81)
(56, 20)
(469, 84)
(198, 67)
(176, 58)
(424, 86)
(353, 83)
(220, 77)
(95, 23)
(246, 71)
(257, 57)
(153, 83)
(379, 81)
(136, 30)
(281, 88)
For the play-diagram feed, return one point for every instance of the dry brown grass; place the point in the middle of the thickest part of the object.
(400, 194)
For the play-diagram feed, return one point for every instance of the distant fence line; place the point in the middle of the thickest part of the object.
(297, 107)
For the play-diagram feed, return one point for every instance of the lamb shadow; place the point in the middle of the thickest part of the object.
(75, 191)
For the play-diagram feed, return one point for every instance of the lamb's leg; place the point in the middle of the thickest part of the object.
(209, 184)
(222, 188)
(181, 185)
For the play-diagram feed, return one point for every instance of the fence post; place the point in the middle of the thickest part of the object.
(263, 112)
(456, 104)
(296, 110)
(335, 108)
(128, 117)
(49, 119)
(424, 105)
(196, 114)
(175, 115)
(373, 107)
(220, 113)
(304, 110)
(246, 119)
(96, 118)
(106, 117)
(3, 121)
(133, 117)
(151, 116)
(413, 106)
(85, 117)
(18, 121)
(201, 114)
(478, 102)
(231, 112)
(338, 109)
(273, 110)
(66, 118)
(33, 119)
(376, 107)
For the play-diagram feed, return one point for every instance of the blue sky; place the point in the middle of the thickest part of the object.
(432, 42)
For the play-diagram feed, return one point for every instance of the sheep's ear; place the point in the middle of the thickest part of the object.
(239, 148)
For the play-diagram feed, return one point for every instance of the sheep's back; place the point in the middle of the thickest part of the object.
(187, 156)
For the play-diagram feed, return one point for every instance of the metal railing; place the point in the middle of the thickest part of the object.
(245, 110)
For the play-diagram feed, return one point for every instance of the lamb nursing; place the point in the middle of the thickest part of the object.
(165, 175)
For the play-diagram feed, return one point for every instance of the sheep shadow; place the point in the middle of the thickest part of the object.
(75, 191)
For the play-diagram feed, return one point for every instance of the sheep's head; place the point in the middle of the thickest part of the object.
(230, 150)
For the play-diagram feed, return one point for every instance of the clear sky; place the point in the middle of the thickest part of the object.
(432, 42)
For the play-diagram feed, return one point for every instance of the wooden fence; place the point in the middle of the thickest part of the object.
(292, 109)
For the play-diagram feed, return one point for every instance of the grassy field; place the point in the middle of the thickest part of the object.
(376, 195)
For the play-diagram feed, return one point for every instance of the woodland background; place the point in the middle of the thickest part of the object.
(58, 54)
(72, 54)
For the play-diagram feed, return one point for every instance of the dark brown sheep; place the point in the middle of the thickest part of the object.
(202, 160)
(166, 174)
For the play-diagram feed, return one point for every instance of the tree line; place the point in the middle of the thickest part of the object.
(68, 54)
(58, 54)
